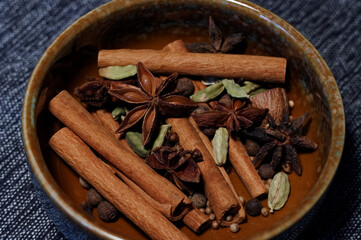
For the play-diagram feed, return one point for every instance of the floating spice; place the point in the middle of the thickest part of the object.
(153, 100)
(208, 93)
(176, 164)
(283, 139)
(278, 191)
(217, 44)
(118, 72)
(220, 146)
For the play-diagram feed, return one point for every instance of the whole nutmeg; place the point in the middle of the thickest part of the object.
(266, 171)
(199, 200)
(253, 207)
(185, 86)
(252, 147)
(107, 212)
(93, 197)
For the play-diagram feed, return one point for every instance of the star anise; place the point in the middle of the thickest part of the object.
(176, 164)
(233, 114)
(95, 91)
(282, 141)
(217, 44)
(152, 99)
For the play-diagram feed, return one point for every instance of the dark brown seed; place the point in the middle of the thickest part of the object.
(199, 200)
(253, 207)
(209, 131)
(87, 208)
(252, 147)
(201, 109)
(266, 171)
(197, 155)
(107, 212)
(93, 197)
(185, 86)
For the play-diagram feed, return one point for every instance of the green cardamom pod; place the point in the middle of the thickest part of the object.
(234, 89)
(118, 112)
(118, 72)
(220, 146)
(249, 87)
(257, 91)
(208, 93)
(134, 140)
(163, 130)
(278, 191)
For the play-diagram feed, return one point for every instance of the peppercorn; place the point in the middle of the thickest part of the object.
(253, 207)
(242, 200)
(199, 200)
(185, 87)
(84, 183)
(252, 147)
(266, 171)
(86, 207)
(106, 211)
(234, 227)
(265, 212)
(93, 197)
(197, 155)
(215, 225)
(208, 210)
(212, 216)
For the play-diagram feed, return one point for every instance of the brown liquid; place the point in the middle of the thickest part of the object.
(300, 186)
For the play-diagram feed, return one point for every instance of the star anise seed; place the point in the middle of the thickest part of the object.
(152, 99)
(217, 44)
(282, 141)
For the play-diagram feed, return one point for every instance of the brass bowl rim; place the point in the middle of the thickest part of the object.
(47, 182)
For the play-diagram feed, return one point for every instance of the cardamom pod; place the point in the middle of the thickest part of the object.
(118, 112)
(163, 130)
(220, 146)
(134, 140)
(118, 72)
(208, 93)
(234, 89)
(278, 191)
(249, 87)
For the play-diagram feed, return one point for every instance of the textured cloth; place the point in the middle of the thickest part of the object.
(28, 27)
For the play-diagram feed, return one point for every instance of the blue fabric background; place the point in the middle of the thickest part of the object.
(28, 27)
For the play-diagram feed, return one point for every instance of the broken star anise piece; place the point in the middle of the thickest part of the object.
(152, 99)
(217, 44)
(233, 114)
(93, 93)
(176, 164)
(282, 141)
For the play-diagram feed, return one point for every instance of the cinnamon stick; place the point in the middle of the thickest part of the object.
(194, 219)
(257, 68)
(79, 120)
(241, 162)
(81, 158)
(216, 188)
(275, 100)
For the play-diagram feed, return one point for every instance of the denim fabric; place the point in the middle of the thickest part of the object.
(28, 27)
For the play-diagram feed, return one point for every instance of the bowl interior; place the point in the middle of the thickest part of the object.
(153, 24)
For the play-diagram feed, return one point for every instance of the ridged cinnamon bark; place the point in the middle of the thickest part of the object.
(82, 123)
(257, 68)
(194, 219)
(81, 158)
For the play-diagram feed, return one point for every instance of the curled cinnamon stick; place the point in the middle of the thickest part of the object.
(241, 162)
(79, 120)
(194, 219)
(257, 68)
(81, 158)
